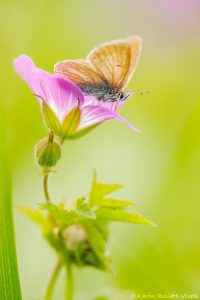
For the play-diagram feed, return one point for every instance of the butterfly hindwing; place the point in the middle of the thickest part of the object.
(80, 71)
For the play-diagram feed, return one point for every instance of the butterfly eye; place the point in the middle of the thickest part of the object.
(121, 96)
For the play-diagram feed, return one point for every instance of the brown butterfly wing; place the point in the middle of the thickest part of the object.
(116, 61)
(79, 71)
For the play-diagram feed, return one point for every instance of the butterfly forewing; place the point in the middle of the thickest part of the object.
(116, 61)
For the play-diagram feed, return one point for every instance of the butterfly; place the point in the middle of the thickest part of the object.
(107, 69)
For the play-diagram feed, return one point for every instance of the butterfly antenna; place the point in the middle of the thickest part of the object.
(140, 92)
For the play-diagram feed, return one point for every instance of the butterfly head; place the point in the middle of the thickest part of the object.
(117, 96)
(122, 96)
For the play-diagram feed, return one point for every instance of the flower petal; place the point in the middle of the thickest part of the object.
(23, 65)
(61, 94)
(91, 115)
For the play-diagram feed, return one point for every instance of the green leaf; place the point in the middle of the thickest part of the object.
(38, 217)
(99, 190)
(114, 203)
(64, 217)
(34, 215)
(103, 228)
(108, 214)
(83, 209)
(51, 119)
(71, 122)
(79, 254)
(9, 279)
(97, 241)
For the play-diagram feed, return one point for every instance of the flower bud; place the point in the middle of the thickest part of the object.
(73, 236)
(47, 152)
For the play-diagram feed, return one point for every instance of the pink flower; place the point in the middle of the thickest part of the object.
(66, 111)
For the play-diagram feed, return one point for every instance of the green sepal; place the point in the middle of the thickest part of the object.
(68, 128)
(80, 133)
(51, 119)
(71, 122)
(46, 171)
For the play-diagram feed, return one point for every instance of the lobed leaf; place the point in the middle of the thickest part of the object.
(114, 203)
(34, 215)
(64, 217)
(83, 209)
(117, 215)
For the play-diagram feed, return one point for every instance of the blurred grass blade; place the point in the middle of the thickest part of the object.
(9, 279)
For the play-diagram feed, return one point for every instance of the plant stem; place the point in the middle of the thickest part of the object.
(70, 280)
(52, 282)
(45, 186)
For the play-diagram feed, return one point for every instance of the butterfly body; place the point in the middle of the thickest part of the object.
(103, 92)
(106, 71)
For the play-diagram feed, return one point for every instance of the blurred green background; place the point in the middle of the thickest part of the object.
(160, 167)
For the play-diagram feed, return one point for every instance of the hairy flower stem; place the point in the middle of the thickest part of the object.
(70, 280)
(45, 186)
(52, 282)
